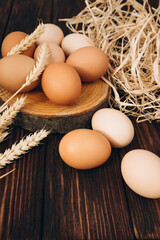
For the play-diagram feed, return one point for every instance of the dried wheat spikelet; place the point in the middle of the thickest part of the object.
(22, 147)
(27, 41)
(3, 135)
(129, 33)
(35, 72)
(6, 118)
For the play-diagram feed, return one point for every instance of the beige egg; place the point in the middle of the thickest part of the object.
(11, 40)
(74, 41)
(141, 172)
(13, 72)
(55, 51)
(61, 83)
(84, 149)
(52, 33)
(90, 62)
(114, 125)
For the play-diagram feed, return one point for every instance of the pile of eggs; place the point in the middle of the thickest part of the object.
(73, 60)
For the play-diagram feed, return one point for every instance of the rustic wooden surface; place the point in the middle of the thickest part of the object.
(42, 112)
(45, 199)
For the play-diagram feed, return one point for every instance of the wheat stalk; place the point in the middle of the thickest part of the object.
(4, 175)
(22, 147)
(35, 72)
(27, 41)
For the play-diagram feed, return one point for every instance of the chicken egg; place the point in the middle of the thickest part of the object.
(52, 33)
(141, 171)
(74, 41)
(84, 149)
(90, 62)
(11, 40)
(61, 83)
(14, 70)
(55, 51)
(114, 125)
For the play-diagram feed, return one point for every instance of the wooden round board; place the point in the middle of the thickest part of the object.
(39, 112)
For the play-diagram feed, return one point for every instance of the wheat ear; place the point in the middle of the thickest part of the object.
(27, 41)
(7, 116)
(3, 135)
(22, 147)
(35, 72)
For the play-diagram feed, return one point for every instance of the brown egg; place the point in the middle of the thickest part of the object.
(13, 72)
(84, 149)
(56, 53)
(61, 83)
(11, 40)
(90, 62)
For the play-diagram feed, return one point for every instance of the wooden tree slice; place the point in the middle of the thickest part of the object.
(40, 112)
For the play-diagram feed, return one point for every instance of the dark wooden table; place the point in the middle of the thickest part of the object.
(44, 198)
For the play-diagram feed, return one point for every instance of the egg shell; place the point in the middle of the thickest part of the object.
(114, 125)
(11, 40)
(61, 83)
(90, 62)
(14, 70)
(74, 41)
(141, 171)
(52, 33)
(55, 51)
(84, 149)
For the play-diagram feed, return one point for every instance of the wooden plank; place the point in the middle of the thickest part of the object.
(87, 204)
(25, 15)
(5, 10)
(21, 194)
(145, 213)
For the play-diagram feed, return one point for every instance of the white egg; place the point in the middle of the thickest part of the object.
(56, 53)
(141, 172)
(52, 33)
(115, 125)
(74, 41)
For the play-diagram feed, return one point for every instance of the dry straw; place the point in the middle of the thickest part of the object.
(8, 113)
(129, 33)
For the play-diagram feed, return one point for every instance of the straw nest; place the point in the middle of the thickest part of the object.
(129, 33)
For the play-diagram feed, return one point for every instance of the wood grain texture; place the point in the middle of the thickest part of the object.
(87, 204)
(44, 199)
(42, 112)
